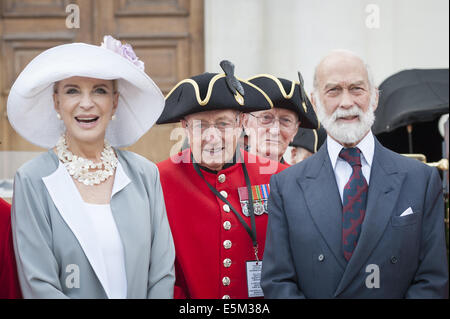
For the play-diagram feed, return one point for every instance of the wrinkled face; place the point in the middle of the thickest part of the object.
(271, 131)
(299, 154)
(86, 106)
(344, 101)
(213, 136)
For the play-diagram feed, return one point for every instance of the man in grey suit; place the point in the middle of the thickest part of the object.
(354, 220)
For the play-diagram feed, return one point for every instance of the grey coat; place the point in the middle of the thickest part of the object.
(55, 251)
(303, 257)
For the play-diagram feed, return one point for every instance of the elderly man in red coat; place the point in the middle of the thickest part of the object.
(9, 283)
(216, 193)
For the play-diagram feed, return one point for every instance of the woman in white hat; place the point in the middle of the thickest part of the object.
(89, 220)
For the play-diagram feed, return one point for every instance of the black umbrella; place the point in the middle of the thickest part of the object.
(411, 96)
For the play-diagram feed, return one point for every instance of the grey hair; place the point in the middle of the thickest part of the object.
(367, 67)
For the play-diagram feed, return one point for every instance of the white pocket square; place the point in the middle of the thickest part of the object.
(407, 212)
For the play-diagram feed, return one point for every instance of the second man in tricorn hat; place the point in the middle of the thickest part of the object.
(271, 131)
(216, 194)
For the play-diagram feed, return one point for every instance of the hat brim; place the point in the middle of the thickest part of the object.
(210, 92)
(287, 95)
(30, 103)
(310, 139)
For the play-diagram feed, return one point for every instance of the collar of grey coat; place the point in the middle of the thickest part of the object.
(325, 207)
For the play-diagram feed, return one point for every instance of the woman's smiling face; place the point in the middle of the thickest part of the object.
(86, 105)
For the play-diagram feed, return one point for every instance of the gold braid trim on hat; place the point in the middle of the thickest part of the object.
(213, 80)
(316, 140)
(280, 86)
(258, 89)
(303, 102)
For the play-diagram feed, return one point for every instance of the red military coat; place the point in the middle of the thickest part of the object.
(211, 245)
(9, 283)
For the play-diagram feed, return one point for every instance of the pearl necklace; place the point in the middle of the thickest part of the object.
(78, 167)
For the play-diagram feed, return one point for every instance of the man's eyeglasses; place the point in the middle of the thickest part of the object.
(267, 120)
(221, 125)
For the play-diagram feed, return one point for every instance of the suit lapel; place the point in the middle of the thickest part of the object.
(384, 188)
(324, 203)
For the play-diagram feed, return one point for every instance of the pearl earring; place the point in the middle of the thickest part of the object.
(113, 118)
(58, 116)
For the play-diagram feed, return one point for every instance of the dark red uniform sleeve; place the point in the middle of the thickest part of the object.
(9, 282)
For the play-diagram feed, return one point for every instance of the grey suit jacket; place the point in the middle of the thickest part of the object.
(396, 257)
(56, 256)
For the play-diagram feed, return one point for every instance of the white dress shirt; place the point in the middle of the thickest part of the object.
(342, 169)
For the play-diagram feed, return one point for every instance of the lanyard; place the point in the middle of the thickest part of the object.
(251, 231)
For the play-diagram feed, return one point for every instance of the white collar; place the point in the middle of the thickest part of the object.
(366, 145)
(121, 180)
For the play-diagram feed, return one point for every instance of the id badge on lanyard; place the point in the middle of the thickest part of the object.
(254, 278)
(253, 270)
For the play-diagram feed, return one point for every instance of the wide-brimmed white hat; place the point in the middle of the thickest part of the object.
(30, 104)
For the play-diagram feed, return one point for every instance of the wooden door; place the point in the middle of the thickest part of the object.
(166, 34)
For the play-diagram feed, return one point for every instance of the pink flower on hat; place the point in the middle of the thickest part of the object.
(124, 50)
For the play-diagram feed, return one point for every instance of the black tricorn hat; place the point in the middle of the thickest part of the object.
(288, 95)
(310, 139)
(213, 91)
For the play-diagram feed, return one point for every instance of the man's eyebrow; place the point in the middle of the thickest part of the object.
(358, 83)
(332, 84)
(221, 118)
(329, 85)
(215, 120)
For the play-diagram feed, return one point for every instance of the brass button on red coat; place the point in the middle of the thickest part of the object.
(226, 281)
(227, 262)
(227, 225)
(221, 178)
(227, 244)
(224, 194)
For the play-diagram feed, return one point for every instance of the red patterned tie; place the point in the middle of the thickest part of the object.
(355, 200)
